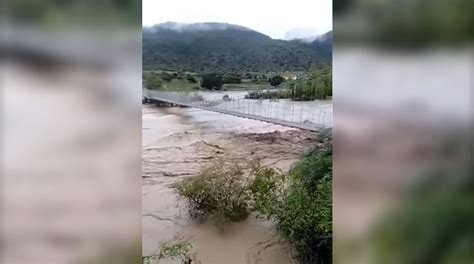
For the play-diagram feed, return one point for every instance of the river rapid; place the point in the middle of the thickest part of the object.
(177, 142)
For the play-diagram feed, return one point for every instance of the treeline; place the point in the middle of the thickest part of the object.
(215, 81)
(316, 84)
(157, 80)
(212, 81)
(233, 51)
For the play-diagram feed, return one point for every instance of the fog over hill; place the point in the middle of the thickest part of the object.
(183, 27)
(301, 33)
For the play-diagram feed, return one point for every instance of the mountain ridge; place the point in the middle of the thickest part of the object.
(223, 47)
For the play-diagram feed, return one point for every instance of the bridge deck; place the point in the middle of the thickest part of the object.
(185, 100)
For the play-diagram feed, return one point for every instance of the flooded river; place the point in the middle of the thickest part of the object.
(177, 142)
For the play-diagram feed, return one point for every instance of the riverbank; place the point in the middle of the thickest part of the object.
(189, 139)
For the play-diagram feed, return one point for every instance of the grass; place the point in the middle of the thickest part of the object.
(245, 86)
(185, 85)
(179, 85)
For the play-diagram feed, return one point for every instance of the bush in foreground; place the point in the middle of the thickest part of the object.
(300, 203)
(302, 206)
(218, 193)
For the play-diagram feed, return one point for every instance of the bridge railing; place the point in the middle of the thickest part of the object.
(305, 114)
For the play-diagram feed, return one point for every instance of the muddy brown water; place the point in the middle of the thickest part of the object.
(177, 142)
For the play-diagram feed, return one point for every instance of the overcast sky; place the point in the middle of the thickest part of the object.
(271, 17)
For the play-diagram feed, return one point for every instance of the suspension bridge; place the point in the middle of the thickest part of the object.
(280, 112)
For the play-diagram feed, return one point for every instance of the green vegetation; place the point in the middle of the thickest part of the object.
(179, 81)
(316, 84)
(434, 223)
(405, 23)
(73, 14)
(303, 209)
(167, 77)
(170, 81)
(418, 22)
(276, 80)
(191, 78)
(233, 50)
(216, 193)
(300, 202)
(212, 81)
(245, 85)
(230, 78)
(152, 80)
(180, 85)
(176, 249)
(180, 250)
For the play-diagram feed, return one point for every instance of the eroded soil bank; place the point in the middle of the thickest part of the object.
(187, 141)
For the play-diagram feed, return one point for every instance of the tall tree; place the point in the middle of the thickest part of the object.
(212, 81)
(276, 80)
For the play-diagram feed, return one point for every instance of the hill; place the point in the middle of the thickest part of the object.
(220, 47)
(323, 44)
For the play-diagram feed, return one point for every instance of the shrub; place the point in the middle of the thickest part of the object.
(276, 80)
(167, 77)
(217, 192)
(266, 186)
(190, 78)
(152, 80)
(300, 202)
(305, 214)
(176, 249)
(316, 84)
(314, 166)
(231, 79)
(300, 207)
(304, 219)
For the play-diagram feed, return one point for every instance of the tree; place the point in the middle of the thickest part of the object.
(232, 79)
(276, 80)
(191, 78)
(180, 76)
(166, 77)
(212, 81)
(151, 80)
(320, 82)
